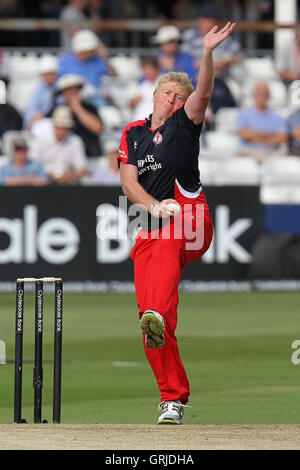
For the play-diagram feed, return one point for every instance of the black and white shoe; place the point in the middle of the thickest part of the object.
(153, 325)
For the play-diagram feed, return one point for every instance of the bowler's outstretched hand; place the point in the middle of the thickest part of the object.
(214, 37)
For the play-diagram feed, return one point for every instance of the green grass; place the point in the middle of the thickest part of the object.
(236, 349)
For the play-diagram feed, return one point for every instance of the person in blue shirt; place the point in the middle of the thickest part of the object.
(88, 58)
(259, 128)
(21, 171)
(170, 58)
(42, 98)
(225, 56)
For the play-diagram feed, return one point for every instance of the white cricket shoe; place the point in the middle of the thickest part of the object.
(172, 412)
(153, 325)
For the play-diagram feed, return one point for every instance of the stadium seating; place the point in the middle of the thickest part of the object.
(258, 69)
(218, 147)
(225, 120)
(281, 170)
(233, 171)
(222, 143)
(128, 67)
(111, 117)
(280, 194)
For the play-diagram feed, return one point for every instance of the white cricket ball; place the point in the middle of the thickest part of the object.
(173, 208)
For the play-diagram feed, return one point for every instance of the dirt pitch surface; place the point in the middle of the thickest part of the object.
(147, 437)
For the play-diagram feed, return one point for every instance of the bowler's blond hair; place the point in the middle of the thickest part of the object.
(180, 78)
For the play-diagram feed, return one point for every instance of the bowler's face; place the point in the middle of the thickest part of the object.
(169, 97)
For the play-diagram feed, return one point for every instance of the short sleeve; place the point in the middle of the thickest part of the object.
(126, 149)
(182, 119)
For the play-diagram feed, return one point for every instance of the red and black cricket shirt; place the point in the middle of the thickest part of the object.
(164, 157)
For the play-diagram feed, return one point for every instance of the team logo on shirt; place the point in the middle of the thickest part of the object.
(157, 139)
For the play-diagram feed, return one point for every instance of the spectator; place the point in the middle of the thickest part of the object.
(42, 98)
(74, 12)
(141, 101)
(108, 174)
(225, 55)
(61, 151)
(88, 59)
(21, 171)
(289, 63)
(87, 123)
(261, 131)
(170, 58)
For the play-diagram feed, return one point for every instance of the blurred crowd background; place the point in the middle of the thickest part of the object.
(69, 86)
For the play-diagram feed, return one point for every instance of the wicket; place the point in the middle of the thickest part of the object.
(38, 356)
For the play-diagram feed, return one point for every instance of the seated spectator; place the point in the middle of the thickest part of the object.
(73, 12)
(262, 131)
(108, 174)
(60, 151)
(88, 59)
(42, 98)
(289, 61)
(10, 119)
(87, 123)
(170, 58)
(21, 171)
(141, 101)
(225, 55)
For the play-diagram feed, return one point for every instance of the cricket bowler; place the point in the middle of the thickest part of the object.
(160, 174)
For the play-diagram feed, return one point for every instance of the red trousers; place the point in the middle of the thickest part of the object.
(159, 258)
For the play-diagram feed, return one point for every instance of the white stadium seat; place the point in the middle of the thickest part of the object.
(225, 120)
(221, 142)
(238, 171)
(19, 92)
(260, 68)
(281, 170)
(234, 171)
(279, 194)
(128, 67)
(111, 117)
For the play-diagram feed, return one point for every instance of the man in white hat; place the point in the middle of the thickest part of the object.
(88, 58)
(60, 151)
(42, 98)
(87, 123)
(170, 57)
